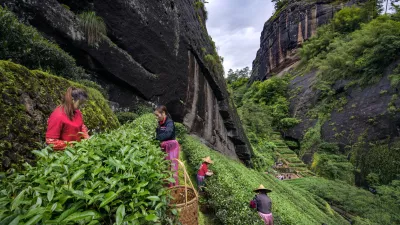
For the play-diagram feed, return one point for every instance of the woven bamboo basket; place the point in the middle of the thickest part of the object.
(185, 200)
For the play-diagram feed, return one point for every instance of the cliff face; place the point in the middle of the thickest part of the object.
(285, 32)
(365, 115)
(152, 53)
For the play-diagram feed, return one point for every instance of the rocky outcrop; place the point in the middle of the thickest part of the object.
(365, 113)
(286, 31)
(153, 52)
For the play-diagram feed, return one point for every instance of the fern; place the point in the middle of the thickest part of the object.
(93, 26)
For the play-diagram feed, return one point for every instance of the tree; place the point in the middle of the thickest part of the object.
(235, 75)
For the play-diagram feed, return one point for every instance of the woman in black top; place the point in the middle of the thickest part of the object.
(165, 133)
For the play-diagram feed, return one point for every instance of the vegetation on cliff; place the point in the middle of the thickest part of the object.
(24, 45)
(359, 51)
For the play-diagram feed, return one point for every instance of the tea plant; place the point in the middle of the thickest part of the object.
(113, 178)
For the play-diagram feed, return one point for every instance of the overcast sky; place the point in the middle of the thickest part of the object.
(235, 26)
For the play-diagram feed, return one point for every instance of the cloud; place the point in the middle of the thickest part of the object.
(236, 26)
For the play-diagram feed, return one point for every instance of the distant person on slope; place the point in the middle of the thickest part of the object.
(65, 124)
(165, 133)
(203, 172)
(263, 205)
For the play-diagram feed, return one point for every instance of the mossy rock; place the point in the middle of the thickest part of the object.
(27, 99)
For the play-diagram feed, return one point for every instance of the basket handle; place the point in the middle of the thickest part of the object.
(186, 176)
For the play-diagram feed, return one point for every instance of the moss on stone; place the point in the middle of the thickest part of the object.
(27, 99)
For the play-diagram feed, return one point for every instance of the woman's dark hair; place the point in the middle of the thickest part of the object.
(67, 102)
(161, 109)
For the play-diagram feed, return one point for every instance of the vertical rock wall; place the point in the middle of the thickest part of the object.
(286, 31)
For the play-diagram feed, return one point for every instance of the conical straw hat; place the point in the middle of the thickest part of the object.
(207, 160)
(261, 187)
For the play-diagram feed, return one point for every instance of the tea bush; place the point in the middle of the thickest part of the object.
(381, 208)
(113, 178)
(25, 45)
(231, 189)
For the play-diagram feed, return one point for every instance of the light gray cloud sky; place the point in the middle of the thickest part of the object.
(236, 26)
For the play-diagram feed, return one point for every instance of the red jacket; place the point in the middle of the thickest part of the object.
(203, 170)
(61, 129)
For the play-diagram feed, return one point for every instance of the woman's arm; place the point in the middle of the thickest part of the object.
(85, 132)
(53, 133)
(57, 143)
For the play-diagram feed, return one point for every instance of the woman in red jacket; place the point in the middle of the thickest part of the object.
(66, 122)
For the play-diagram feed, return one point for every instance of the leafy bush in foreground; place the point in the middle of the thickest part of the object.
(230, 190)
(112, 178)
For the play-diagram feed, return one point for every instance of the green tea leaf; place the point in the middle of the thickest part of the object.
(82, 215)
(39, 153)
(110, 196)
(120, 214)
(80, 194)
(33, 212)
(93, 222)
(69, 211)
(8, 219)
(50, 194)
(15, 221)
(154, 198)
(54, 207)
(76, 176)
(17, 201)
(151, 217)
(34, 220)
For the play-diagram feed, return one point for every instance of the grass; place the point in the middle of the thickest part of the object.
(93, 26)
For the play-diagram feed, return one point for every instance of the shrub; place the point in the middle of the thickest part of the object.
(329, 147)
(142, 109)
(292, 144)
(24, 45)
(364, 54)
(395, 77)
(333, 167)
(349, 19)
(231, 189)
(125, 117)
(199, 5)
(113, 178)
(93, 26)
(94, 85)
(214, 61)
(287, 123)
(255, 119)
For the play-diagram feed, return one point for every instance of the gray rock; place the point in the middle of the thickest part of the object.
(285, 32)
